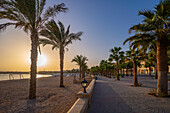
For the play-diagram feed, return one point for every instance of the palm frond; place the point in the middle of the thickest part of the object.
(51, 11)
(5, 25)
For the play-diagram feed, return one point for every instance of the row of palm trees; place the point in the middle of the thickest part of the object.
(32, 17)
(151, 42)
(118, 63)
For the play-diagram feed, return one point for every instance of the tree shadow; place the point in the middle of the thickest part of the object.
(31, 106)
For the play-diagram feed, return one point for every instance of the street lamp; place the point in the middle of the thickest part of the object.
(84, 85)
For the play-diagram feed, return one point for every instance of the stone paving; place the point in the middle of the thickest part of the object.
(112, 96)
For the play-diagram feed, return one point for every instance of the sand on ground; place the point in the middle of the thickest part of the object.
(50, 97)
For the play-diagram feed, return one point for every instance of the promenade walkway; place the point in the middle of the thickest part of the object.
(111, 96)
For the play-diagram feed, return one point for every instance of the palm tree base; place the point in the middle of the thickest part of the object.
(62, 86)
(118, 79)
(135, 85)
(162, 84)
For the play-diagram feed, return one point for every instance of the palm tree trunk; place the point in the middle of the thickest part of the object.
(83, 73)
(135, 81)
(61, 66)
(127, 72)
(117, 70)
(33, 71)
(149, 71)
(80, 73)
(162, 66)
(156, 74)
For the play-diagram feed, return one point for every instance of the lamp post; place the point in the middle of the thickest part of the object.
(84, 85)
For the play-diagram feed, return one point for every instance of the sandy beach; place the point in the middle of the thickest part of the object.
(50, 97)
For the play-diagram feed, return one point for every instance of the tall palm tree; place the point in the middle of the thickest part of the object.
(84, 68)
(129, 64)
(106, 66)
(122, 64)
(30, 16)
(59, 38)
(80, 60)
(134, 57)
(101, 65)
(116, 54)
(155, 27)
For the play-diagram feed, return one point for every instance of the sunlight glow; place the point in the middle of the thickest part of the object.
(41, 60)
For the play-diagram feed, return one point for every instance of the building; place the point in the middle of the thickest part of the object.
(144, 70)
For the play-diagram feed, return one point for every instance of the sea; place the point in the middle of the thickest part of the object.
(27, 76)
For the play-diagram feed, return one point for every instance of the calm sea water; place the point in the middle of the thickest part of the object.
(18, 76)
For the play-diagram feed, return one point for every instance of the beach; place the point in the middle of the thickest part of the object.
(50, 97)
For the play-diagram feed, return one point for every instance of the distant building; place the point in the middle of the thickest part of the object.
(144, 70)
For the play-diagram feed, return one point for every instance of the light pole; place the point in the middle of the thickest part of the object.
(84, 85)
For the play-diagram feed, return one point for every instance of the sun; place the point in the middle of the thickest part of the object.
(41, 60)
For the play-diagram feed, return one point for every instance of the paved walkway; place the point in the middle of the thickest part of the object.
(111, 96)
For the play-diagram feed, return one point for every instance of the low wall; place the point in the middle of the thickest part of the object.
(80, 106)
(83, 101)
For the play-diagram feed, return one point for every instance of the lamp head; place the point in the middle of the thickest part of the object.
(84, 83)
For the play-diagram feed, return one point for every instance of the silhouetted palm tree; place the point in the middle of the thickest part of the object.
(59, 38)
(101, 65)
(116, 55)
(84, 68)
(80, 60)
(134, 57)
(30, 16)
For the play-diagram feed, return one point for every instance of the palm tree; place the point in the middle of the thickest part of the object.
(129, 64)
(59, 38)
(84, 68)
(122, 64)
(155, 27)
(101, 65)
(106, 66)
(134, 57)
(95, 70)
(80, 60)
(151, 61)
(116, 55)
(30, 16)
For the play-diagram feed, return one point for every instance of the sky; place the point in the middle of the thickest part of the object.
(105, 24)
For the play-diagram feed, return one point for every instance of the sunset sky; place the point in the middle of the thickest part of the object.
(105, 24)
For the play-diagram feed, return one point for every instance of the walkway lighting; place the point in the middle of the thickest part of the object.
(84, 85)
